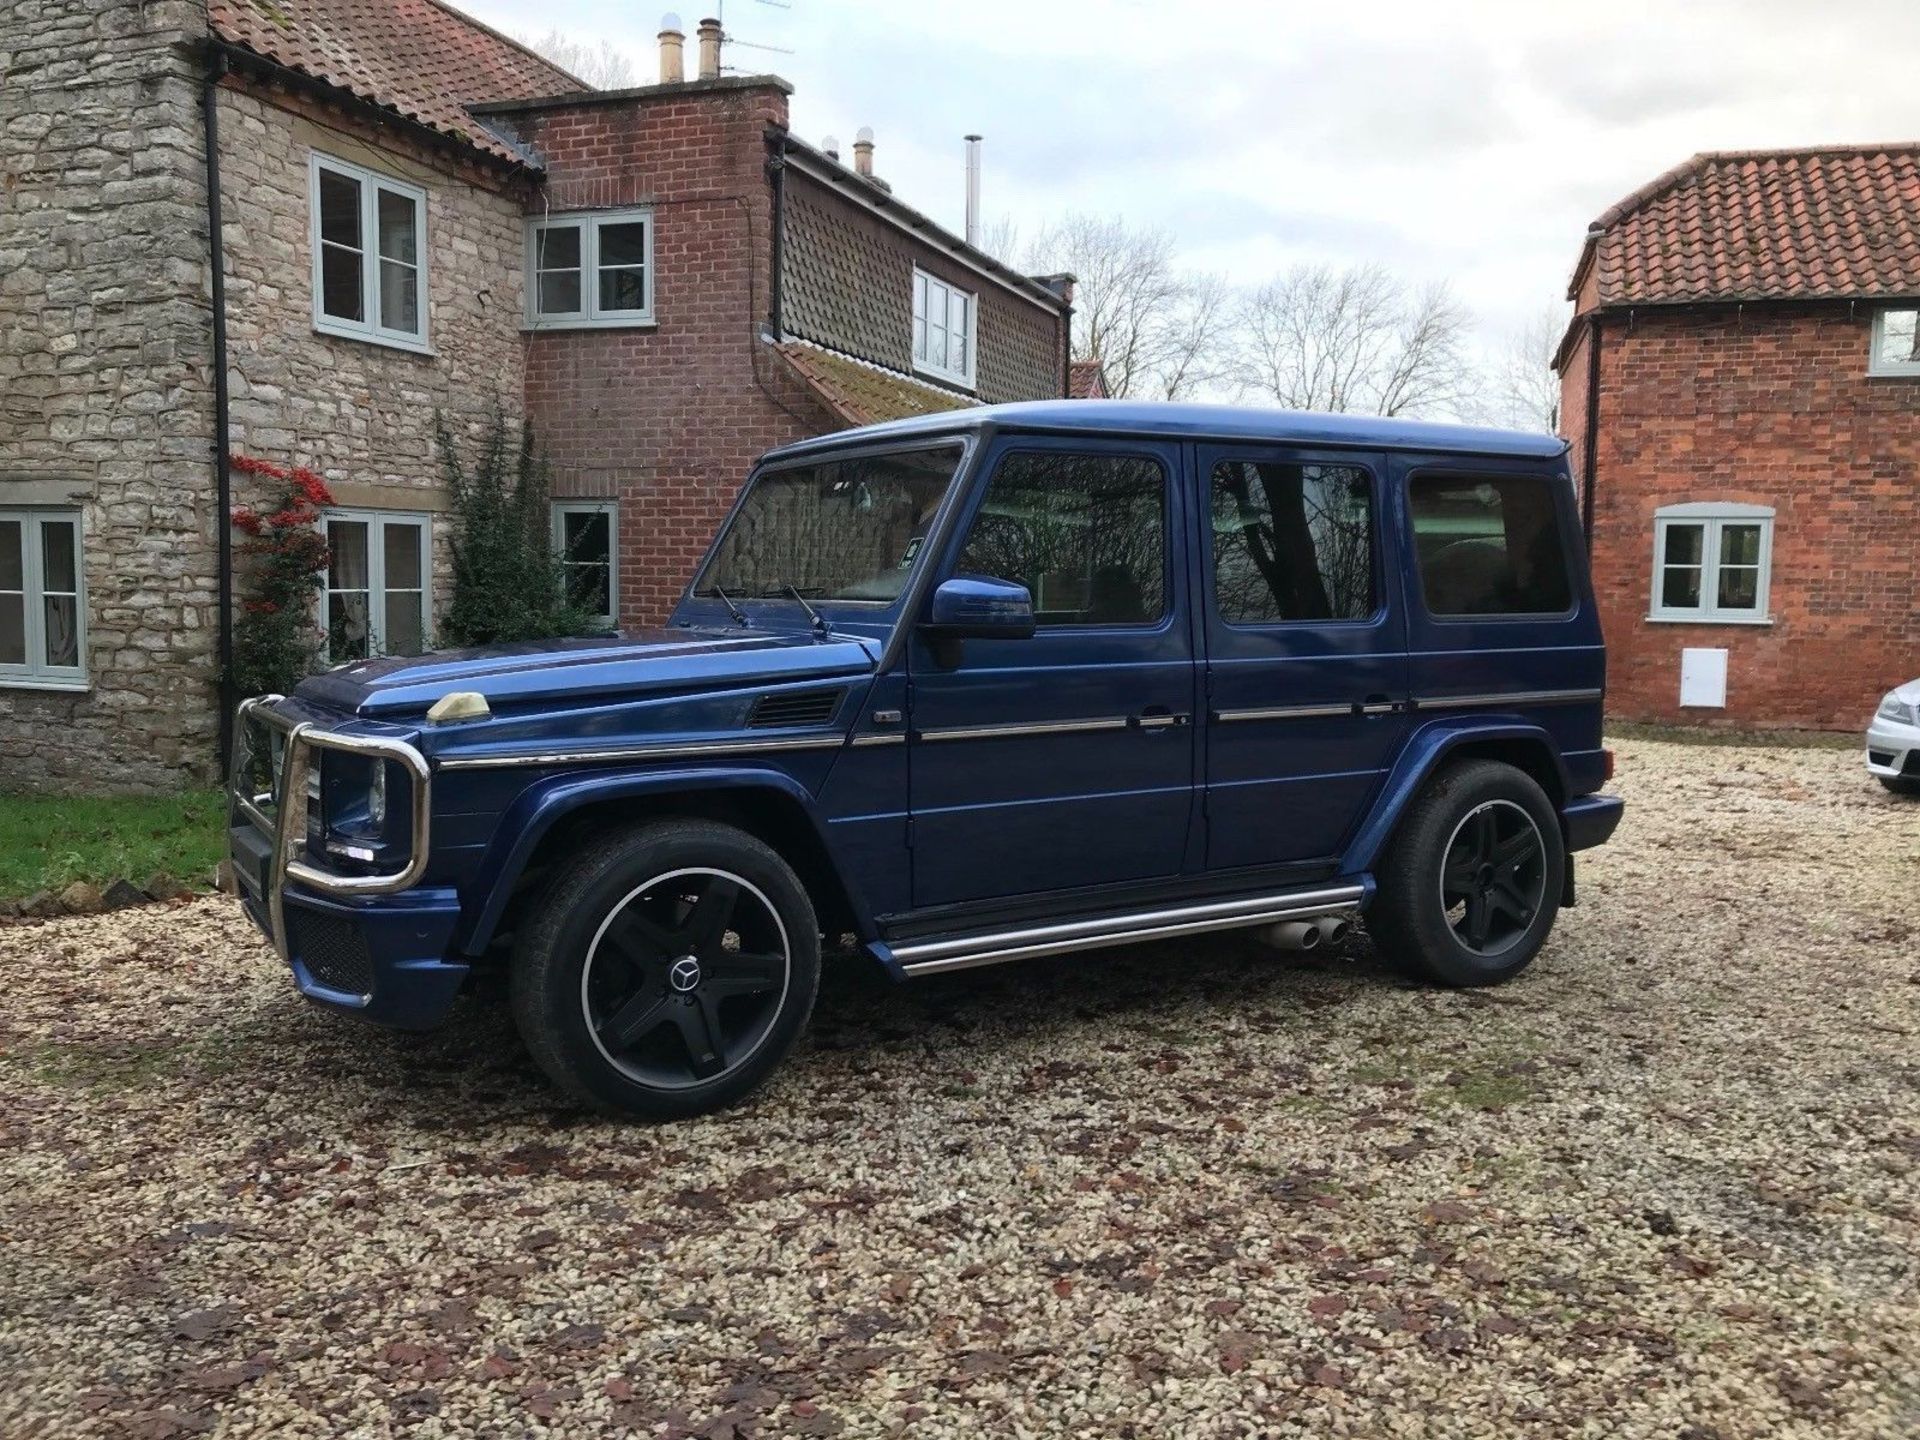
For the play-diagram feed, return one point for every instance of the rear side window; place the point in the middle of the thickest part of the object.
(1086, 534)
(1489, 546)
(1292, 542)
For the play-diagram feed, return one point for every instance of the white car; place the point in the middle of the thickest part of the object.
(1893, 740)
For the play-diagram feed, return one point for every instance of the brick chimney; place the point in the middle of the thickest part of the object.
(710, 49)
(672, 50)
(863, 150)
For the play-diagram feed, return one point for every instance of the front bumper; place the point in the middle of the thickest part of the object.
(373, 945)
(1893, 748)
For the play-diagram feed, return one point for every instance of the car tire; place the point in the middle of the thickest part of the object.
(1901, 784)
(1471, 883)
(668, 970)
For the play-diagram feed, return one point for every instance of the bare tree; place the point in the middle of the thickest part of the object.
(602, 66)
(1525, 390)
(1156, 328)
(1358, 339)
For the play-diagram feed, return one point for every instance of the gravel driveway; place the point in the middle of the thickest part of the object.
(1667, 1183)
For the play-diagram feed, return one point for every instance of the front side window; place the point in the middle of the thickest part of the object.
(848, 529)
(942, 329)
(369, 255)
(1292, 542)
(584, 536)
(1712, 562)
(1896, 343)
(1086, 534)
(42, 602)
(376, 600)
(1489, 545)
(590, 269)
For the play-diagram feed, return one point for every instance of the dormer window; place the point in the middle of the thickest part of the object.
(942, 329)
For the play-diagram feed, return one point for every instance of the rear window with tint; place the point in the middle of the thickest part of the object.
(1489, 546)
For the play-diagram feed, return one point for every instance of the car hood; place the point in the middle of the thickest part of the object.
(591, 669)
(1909, 693)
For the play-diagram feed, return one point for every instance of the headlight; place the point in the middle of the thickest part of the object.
(354, 807)
(1894, 708)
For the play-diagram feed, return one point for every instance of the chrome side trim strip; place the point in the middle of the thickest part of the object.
(666, 750)
(1514, 697)
(1284, 712)
(1044, 727)
(934, 956)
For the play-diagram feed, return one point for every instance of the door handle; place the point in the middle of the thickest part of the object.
(1160, 719)
(1376, 705)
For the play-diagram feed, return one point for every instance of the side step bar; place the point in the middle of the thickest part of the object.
(931, 957)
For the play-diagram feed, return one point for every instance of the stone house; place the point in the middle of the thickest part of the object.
(413, 216)
(1741, 389)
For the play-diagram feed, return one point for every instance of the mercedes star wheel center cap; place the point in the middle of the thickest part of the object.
(685, 974)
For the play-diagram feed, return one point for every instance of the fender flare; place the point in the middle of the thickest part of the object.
(543, 804)
(1426, 749)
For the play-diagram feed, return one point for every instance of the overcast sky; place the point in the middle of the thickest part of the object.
(1471, 141)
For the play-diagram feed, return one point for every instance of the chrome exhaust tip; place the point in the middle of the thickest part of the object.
(1333, 928)
(1293, 935)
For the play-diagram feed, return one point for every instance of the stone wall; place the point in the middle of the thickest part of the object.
(361, 414)
(105, 391)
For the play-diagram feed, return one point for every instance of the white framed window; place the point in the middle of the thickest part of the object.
(43, 603)
(1896, 342)
(369, 235)
(1712, 561)
(943, 329)
(378, 593)
(590, 269)
(586, 537)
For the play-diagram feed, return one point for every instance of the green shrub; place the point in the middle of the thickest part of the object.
(507, 582)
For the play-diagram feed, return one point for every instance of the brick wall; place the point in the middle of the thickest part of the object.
(105, 364)
(669, 417)
(850, 286)
(1770, 405)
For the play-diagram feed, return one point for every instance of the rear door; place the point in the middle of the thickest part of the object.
(1065, 759)
(1305, 640)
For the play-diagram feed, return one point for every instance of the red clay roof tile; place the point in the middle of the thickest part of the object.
(418, 58)
(1834, 223)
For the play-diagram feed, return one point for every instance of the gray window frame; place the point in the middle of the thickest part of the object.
(35, 673)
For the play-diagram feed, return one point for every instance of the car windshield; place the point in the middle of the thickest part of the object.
(847, 529)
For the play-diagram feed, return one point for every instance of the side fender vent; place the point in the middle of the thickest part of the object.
(799, 707)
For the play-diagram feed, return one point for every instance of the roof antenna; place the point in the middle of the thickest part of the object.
(726, 39)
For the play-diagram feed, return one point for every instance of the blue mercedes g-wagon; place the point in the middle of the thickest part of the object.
(973, 687)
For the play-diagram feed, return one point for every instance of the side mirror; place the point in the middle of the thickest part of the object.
(975, 607)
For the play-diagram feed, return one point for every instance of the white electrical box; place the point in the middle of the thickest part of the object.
(1703, 679)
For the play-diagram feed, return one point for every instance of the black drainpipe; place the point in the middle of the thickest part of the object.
(1066, 354)
(1593, 427)
(777, 178)
(223, 475)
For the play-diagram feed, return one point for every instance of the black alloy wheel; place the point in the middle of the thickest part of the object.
(667, 970)
(1493, 876)
(684, 977)
(1470, 885)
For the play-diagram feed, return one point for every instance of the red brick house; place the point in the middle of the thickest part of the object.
(298, 229)
(1741, 389)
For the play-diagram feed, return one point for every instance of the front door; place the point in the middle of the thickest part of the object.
(1305, 651)
(1066, 759)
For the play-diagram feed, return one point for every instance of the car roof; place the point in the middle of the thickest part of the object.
(1185, 421)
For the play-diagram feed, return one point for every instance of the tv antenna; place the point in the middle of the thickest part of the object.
(720, 14)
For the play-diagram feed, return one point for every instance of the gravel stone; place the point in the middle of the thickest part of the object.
(1663, 1184)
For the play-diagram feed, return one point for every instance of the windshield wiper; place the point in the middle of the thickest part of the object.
(739, 615)
(819, 621)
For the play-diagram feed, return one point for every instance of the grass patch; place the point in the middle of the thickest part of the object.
(50, 841)
(139, 1064)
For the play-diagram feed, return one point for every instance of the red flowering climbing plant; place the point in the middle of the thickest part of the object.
(274, 637)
